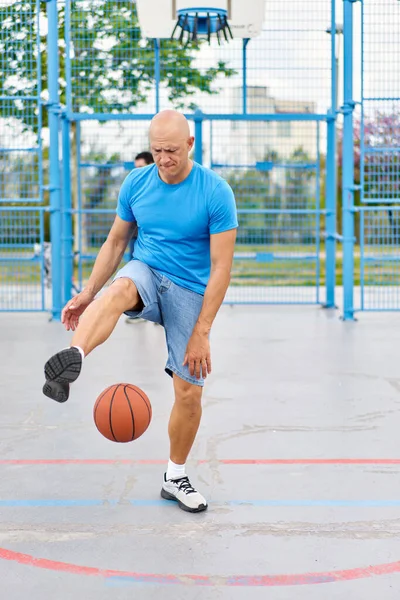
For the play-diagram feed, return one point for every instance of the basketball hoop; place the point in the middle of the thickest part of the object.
(195, 22)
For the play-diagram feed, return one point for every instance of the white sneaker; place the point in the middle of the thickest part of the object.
(181, 491)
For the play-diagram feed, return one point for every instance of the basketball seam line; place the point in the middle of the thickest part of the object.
(96, 406)
(133, 416)
(111, 403)
(143, 398)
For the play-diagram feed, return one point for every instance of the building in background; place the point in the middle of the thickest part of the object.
(247, 142)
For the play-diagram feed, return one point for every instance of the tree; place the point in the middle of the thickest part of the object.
(255, 189)
(100, 185)
(113, 68)
(298, 177)
(298, 193)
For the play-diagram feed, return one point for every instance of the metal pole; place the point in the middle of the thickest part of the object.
(67, 237)
(318, 216)
(198, 136)
(67, 27)
(79, 214)
(244, 74)
(54, 175)
(39, 104)
(42, 262)
(157, 74)
(362, 264)
(331, 176)
(211, 145)
(348, 164)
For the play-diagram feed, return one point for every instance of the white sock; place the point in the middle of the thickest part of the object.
(80, 350)
(175, 471)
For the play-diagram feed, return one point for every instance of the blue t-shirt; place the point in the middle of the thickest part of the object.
(175, 221)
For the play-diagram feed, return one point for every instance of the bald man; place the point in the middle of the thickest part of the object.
(186, 218)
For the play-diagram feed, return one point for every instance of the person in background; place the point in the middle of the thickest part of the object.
(143, 159)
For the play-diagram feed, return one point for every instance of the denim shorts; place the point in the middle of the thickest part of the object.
(170, 305)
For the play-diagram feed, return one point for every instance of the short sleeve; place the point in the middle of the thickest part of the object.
(223, 213)
(124, 209)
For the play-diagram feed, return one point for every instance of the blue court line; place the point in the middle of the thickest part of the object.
(41, 503)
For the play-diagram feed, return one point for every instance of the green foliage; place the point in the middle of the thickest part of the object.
(112, 70)
(300, 181)
(253, 190)
(100, 185)
(294, 189)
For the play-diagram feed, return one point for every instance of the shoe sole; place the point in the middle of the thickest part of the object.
(167, 496)
(64, 367)
(56, 391)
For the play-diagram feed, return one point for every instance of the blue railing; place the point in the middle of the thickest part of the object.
(276, 144)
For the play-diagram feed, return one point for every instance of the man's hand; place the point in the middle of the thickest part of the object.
(197, 356)
(75, 308)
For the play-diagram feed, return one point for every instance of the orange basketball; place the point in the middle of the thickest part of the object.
(122, 412)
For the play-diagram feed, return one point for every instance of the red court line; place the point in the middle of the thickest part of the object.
(312, 461)
(203, 580)
(228, 461)
(80, 461)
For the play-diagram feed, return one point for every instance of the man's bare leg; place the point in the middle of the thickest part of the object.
(183, 426)
(95, 326)
(184, 420)
(101, 316)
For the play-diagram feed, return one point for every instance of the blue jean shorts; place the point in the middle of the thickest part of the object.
(170, 305)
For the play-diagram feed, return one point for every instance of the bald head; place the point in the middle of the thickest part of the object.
(170, 122)
(170, 143)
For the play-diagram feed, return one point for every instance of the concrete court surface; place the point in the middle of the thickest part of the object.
(298, 454)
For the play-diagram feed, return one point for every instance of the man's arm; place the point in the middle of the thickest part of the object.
(110, 254)
(198, 357)
(113, 249)
(107, 261)
(222, 247)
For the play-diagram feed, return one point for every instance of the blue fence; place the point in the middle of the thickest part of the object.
(380, 157)
(22, 211)
(269, 142)
(264, 113)
(371, 188)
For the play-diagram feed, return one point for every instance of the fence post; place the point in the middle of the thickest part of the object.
(348, 164)
(244, 74)
(331, 174)
(157, 73)
(67, 237)
(198, 136)
(54, 175)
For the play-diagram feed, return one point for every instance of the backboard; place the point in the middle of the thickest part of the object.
(216, 18)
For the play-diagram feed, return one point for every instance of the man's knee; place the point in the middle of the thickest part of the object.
(124, 294)
(187, 395)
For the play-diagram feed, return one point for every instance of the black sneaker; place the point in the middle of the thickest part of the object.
(60, 370)
(56, 391)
